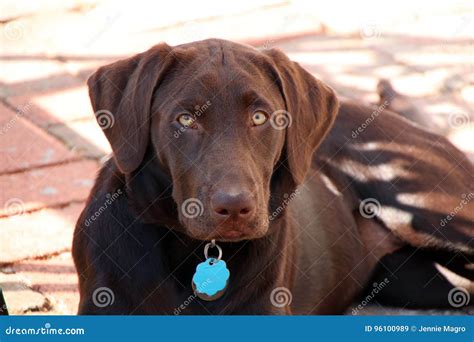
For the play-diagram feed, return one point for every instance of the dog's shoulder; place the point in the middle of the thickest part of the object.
(107, 198)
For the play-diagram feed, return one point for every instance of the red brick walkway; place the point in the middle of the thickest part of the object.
(50, 145)
(47, 170)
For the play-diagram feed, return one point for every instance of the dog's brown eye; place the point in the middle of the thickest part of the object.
(186, 120)
(259, 118)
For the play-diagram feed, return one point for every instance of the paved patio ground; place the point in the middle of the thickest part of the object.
(51, 146)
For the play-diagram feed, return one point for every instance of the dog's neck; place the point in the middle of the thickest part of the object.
(256, 268)
(254, 264)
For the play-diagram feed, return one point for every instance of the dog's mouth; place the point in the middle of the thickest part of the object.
(226, 232)
(235, 221)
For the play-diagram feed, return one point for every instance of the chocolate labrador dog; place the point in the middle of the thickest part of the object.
(310, 198)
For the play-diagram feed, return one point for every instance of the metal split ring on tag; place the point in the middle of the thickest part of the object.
(212, 276)
(212, 244)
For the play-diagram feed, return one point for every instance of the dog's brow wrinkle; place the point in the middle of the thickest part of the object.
(222, 55)
(250, 95)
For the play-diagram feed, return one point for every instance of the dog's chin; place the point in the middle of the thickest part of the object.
(239, 238)
(225, 235)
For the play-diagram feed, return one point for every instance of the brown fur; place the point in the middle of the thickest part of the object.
(317, 245)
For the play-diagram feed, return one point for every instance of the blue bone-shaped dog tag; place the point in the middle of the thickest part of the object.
(211, 279)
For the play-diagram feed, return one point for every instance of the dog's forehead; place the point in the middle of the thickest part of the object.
(217, 49)
(214, 58)
(215, 67)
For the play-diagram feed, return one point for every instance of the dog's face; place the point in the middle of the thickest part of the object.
(225, 121)
(216, 137)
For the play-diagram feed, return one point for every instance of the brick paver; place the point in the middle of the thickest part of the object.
(85, 137)
(25, 146)
(50, 142)
(41, 233)
(45, 187)
(29, 76)
(55, 278)
(19, 295)
(55, 107)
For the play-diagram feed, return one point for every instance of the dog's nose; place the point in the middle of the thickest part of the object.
(233, 204)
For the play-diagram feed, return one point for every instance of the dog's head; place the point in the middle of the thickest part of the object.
(231, 126)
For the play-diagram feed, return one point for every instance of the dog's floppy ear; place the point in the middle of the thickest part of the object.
(312, 107)
(121, 95)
